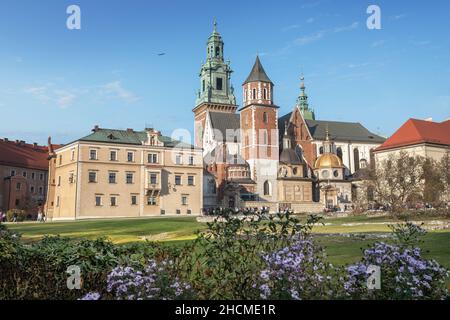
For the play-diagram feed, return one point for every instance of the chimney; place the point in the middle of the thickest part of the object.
(35, 145)
(95, 128)
(17, 141)
(6, 139)
(130, 130)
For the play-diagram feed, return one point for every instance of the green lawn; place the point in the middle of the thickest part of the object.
(174, 230)
(118, 230)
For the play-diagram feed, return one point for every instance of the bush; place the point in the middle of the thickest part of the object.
(20, 214)
(298, 272)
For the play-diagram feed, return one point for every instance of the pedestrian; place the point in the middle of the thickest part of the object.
(14, 216)
(1, 216)
(39, 216)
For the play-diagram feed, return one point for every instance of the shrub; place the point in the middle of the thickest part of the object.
(157, 281)
(404, 275)
(298, 272)
(20, 214)
(225, 260)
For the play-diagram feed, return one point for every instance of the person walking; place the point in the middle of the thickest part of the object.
(39, 216)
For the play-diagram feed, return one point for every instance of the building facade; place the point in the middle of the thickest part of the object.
(125, 173)
(23, 175)
(418, 138)
(255, 158)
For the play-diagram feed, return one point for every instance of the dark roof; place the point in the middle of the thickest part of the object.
(342, 131)
(257, 73)
(288, 156)
(226, 121)
(129, 137)
(23, 155)
(416, 131)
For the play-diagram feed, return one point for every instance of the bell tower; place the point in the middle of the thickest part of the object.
(259, 131)
(216, 92)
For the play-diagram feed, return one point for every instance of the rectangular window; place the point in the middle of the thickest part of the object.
(133, 200)
(33, 175)
(92, 154)
(18, 186)
(72, 155)
(219, 83)
(112, 177)
(59, 181)
(92, 176)
(153, 178)
(152, 158)
(151, 201)
(71, 177)
(178, 180)
(178, 211)
(24, 174)
(41, 176)
(113, 201)
(13, 173)
(60, 160)
(184, 200)
(191, 160)
(32, 189)
(130, 156)
(17, 202)
(129, 178)
(178, 159)
(98, 201)
(113, 155)
(57, 201)
(190, 180)
(41, 191)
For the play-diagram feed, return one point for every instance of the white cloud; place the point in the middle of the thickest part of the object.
(378, 43)
(291, 27)
(353, 26)
(64, 98)
(116, 90)
(310, 20)
(399, 16)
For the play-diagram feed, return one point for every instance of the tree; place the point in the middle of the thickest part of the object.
(444, 171)
(398, 181)
(433, 184)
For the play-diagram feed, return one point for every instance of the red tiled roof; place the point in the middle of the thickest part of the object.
(415, 131)
(24, 155)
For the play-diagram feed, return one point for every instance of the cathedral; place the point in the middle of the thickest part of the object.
(253, 157)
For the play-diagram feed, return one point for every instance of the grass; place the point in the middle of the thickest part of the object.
(176, 231)
(117, 230)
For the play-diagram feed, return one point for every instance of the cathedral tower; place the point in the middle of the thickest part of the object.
(216, 92)
(259, 125)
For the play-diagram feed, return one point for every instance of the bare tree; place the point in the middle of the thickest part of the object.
(444, 171)
(398, 181)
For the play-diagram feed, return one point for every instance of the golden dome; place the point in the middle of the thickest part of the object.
(328, 160)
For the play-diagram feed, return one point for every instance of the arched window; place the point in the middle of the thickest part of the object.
(321, 150)
(217, 51)
(363, 163)
(339, 152)
(267, 188)
(265, 118)
(254, 94)
(265, 93)
(356, 158)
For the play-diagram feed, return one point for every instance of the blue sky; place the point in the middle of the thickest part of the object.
(60, 82)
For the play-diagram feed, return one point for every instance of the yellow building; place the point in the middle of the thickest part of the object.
(124, 173)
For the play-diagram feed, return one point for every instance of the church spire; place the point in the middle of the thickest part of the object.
(302, 101)
(327, 144)
(215, 74)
